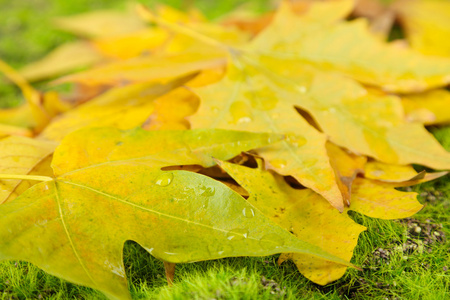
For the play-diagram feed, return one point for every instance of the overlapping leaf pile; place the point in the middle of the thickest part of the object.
(332, 114)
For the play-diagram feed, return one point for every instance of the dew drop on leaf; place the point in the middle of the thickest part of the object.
(224, 249)
(377, 173)
(240, 112)
(297, 141)
(248, 212)
(217, 248)
(278, 163)
(302, 89)
(164, 179)
(244, 120)
(237, 234)
(207, 191)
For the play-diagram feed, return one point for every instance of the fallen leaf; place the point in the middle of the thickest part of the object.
(260, 91)
(351, 49)
(391, 173)
(249, 99)
(346, 167)
(369, 199)
(384, 202)
(22, 156)
(135, 44)
(426, 24)
(31, 113)
(145, 69)
(14, 130)
(75, 225)
(65, 58)
(428, 108)
(103, 23)
(165, 117)
(121, 107)
(397, 175)
(305, 214)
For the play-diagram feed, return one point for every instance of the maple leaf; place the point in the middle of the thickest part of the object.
(278, 71)
(308, 216)
(323, 83)
(122, 107)
(349, 48)
(112, 190)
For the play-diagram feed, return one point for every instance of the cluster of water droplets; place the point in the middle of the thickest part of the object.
(226, 247)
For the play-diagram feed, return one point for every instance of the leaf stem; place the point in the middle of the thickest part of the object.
(26, 177)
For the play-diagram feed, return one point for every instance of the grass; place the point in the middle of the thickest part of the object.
(397, 263)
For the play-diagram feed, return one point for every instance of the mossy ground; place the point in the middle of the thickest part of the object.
(398, 262)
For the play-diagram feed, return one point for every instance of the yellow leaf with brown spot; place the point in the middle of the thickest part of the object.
(306, 215)
(346, 167)
(384, 202)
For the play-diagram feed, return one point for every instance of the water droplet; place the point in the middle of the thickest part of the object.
(240, 112)
(377, 173)
(310, 162)
(248, 212)
(275, 116)
(164, 179)
(149, 250)
(244, 120)
(207, 191)
(271, 241)
(237, 234)
(215, 110)
(278, 163)
(225, 250)
(332, 110)
(302, 89)
(297, 141)
(220, 249)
